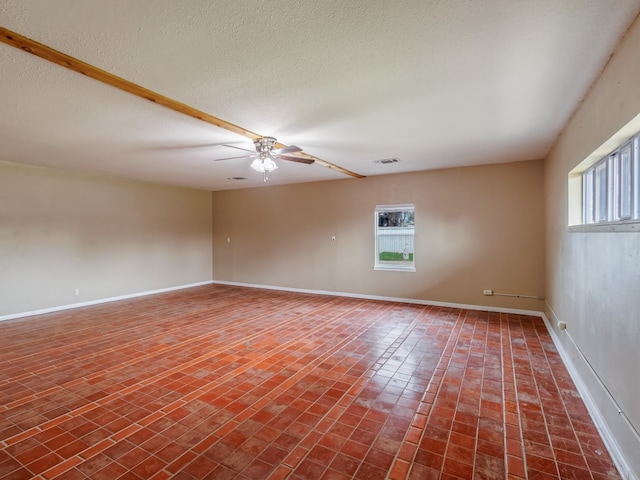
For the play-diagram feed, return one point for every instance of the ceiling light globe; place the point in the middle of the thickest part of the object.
(258, 166)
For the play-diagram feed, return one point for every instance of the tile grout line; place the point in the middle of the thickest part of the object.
(544, 417)
(79, 344)
(136, 426)
(564, 407)
(468, 354)
(482, 378)
(291, 380)
(445, 359)
(399, 399)
(71, 314)
(427, 310)
(131, 388)
(517, 400)
(195, 339)
(76, 344)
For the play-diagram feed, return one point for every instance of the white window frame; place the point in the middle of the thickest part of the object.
(588, 197)
(625, 185)
(611, 186)
(379, 232)
(600, 191)
(636, 179)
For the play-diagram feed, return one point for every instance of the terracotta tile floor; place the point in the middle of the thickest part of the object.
(225, 382)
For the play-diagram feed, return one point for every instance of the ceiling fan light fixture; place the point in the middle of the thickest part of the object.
(257, 165)
(265, 156)
(269, 164)
(264, 165)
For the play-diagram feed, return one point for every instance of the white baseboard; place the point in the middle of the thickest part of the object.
(101, 300)
(598, 419)
(388, 299)
(270, 287)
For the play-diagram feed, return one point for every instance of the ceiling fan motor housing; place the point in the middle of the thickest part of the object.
(264, 144)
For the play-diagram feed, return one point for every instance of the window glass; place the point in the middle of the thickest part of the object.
(611, 187)
(636, 178)
(587, 196)
(625, 182)
(395, 235)
(601, 192)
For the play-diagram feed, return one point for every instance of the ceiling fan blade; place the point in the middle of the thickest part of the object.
(238, 148)
(307, 161)
(233, 158)
(289, 149)
(332, 166)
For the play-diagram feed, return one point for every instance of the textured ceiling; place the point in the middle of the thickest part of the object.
(434, 83)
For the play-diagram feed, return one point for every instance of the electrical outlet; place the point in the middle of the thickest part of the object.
(228, 239)
(562, 325)
(77, 292)
(487, 292)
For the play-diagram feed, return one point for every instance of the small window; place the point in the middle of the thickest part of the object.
(395, 233)
(624, 203)
(635, 173)
(601, 192)
(611, 187)
(588, 198)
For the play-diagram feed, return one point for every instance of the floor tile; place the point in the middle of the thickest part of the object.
(228, 382)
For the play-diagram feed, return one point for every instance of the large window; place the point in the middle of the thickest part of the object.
(611, 187)
(395, 233)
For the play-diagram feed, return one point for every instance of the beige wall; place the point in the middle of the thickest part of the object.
(476, 228)
(108, 237)
(593, 278)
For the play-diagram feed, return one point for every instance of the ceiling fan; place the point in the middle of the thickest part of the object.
(265, 155)
(264, 145)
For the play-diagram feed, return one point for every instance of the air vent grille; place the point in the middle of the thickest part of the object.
(386, 161)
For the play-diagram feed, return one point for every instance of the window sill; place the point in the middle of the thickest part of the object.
(394, 268)
(624, 226)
